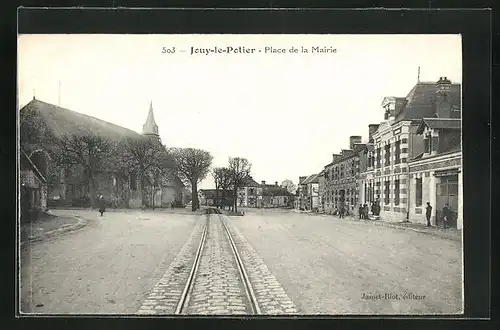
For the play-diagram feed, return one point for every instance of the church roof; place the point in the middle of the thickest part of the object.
(150, 127)
(63, 121)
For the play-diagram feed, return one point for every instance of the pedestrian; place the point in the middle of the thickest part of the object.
(172, 205)
(360, 211)
(446, 215)
(365, 211)
(102, 205)
(341, 211)
(428, 212)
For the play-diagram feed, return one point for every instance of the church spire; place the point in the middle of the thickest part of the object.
(150, 127)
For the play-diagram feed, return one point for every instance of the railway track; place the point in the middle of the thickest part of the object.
(249, 299)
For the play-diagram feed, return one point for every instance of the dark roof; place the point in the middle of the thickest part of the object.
(313, 178)
(26, 158)
(439, 123)
(275, 191)
(62, 121)
(250, 182)
(209, 193)
(420, 101)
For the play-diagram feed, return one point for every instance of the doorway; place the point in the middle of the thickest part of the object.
(447, 193)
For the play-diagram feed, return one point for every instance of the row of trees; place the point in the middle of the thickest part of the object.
(230, 178)
(141, 157)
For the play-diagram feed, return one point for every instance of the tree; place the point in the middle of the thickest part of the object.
(92, 152)
(33, 130)
(289, 186)
(222, 180)
(192, 165)
(239, 170)
(146, 158)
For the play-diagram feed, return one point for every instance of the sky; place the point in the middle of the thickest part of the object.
(286, 112)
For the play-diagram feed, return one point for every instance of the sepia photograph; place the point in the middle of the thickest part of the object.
(240, 174)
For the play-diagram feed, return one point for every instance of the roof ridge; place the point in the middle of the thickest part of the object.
(82, 114)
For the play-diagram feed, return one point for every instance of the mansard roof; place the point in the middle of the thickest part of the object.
(421, 101)
(439, 123)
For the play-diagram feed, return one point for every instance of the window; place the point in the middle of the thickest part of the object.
(397, 152)
(428, 143)
(386, 192)
(418, 192)
(387, 154)
(396, 192)
(378, 157)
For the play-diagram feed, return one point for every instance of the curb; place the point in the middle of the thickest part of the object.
(63, 229)
(417, 230)
(386, 224)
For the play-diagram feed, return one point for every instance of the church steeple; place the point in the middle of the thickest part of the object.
(150, 128)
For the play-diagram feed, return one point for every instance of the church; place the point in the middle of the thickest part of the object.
(66, 186)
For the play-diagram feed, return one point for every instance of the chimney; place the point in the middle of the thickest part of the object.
(276, 183)
(443, 106)
(336, 157)
(372, 128)
(354, 139)
(263, 182)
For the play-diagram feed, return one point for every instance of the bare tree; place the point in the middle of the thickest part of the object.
(92, 152)
(145, 157)
(222, 180)
(192, 166)
(239, 169)
(289, 186)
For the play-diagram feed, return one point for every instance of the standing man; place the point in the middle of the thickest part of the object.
(446, 215)
(102, 205)
(428, 212)
(172, 205)
(360, 211)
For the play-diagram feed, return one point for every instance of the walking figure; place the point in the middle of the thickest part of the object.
(102, 205)
(428, 212)
(172, 205)
(341, 211)
(361, 211)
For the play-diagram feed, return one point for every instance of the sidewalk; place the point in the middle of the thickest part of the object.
(449, 233)
(47, 226)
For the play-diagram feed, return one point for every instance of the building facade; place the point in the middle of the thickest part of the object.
(342, 178)
(251, 194)
(309, 190)
(396, 143)
(33, 172)
(436, 174)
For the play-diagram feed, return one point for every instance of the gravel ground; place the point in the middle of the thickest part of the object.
(107, 267)
(46, 224)
(333, 266)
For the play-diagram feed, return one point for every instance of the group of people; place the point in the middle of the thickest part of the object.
(363, 210)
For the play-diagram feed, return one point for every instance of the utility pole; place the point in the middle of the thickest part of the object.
(418, 75)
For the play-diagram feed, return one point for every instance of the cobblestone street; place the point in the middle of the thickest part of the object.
(139, 262)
